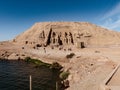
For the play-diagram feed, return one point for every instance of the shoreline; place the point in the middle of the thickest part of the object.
(83, 66)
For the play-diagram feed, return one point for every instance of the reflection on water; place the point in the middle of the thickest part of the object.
(14, 75)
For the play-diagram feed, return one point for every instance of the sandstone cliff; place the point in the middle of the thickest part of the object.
(68, 33)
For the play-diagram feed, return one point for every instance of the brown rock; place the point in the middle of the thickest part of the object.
(80, 34)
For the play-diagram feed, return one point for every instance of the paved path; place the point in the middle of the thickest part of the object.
(114, 83)
(115, 80)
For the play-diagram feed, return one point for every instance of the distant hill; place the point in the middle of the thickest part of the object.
(68, 33)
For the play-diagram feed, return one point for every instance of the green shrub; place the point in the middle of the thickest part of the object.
(70, 55)
(38, 45)
(37, 62)
(27, 59)
(64, 75)
(56, 66)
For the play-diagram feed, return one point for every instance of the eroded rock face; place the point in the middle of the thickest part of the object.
(79, 34)
(59, 37)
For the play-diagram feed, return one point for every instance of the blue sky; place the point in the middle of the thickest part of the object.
(17, 16)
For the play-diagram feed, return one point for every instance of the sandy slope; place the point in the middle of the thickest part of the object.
(91, 34)
(88, 68)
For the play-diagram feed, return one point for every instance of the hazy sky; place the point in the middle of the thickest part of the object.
(17, 16)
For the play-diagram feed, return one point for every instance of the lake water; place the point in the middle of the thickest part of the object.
(14, 75)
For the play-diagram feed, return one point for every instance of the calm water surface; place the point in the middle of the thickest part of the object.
(14, 75)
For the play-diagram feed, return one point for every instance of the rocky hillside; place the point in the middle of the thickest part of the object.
(79, 34)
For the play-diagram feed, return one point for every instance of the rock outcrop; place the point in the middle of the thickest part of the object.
(79, 34)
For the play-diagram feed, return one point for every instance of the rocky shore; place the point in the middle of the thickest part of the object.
(87, 67)
(87, 51)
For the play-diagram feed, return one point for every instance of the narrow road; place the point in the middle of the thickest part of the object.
(114, 83)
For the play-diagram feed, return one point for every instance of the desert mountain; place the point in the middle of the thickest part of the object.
(88, 67)
(68, 33)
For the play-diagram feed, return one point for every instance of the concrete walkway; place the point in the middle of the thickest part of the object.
(113, 80)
